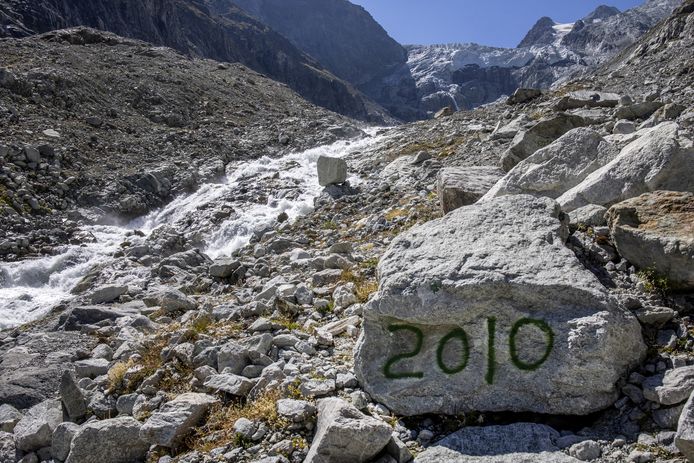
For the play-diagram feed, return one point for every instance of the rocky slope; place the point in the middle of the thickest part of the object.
(189, 27)
(464, 76)
(346, 40)
(78, 135)
(337, 332)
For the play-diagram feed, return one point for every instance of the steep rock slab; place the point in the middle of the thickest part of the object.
(486, 309)
(538, 136)
(461, 186)
(346, 435)
(656, 230)
(557, 167)
(518, 442)
(108, 441)
(658, 160)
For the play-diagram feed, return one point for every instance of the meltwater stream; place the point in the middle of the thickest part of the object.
(30, 288)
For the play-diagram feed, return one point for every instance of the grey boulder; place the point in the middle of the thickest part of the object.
(175, 419)
(538, 136)
(461, 186)
(9, 417)
(346, 435)
(114, 440)
(35, 429)
(670, 388)
(486, 309)
(331, 170)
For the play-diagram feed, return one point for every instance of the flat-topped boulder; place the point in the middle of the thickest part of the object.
(486, 309)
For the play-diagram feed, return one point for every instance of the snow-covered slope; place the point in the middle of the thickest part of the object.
(467, 75)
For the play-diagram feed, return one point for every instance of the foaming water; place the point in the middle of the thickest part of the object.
(30, 288)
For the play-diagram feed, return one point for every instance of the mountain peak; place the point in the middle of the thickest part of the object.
(542, 33)
(600, 13)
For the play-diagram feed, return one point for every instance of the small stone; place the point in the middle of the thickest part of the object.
(586, 450)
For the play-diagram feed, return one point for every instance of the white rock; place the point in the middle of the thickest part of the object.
(453, 287)
(659, 160)
(346, 435)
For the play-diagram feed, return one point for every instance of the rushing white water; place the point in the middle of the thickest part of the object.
(30, 288)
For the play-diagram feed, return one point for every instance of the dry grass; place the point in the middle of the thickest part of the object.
(219, 428)
(116, 375)
(364, 288)
(395, 214)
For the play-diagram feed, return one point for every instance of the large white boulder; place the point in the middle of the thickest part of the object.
(557, 167)
(169, 425)
(658, 160)
(486, 309)
(461, 186)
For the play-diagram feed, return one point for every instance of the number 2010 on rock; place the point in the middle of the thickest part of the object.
(459, 335)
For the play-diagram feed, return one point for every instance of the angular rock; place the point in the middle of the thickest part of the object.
(91, 368)
(72, 397)
(9, 417)
(346, 435)
(461, 186)
(515, 443)
(296, 410)
(557, 167)
(169, 425)
(331, 170)
(224, 268)
(658, 160)
(486, 309)
(638, 110)
(62, 439)
(670, 388)
(523, 95)
(229, 383)
(8, 450)
(114, 440)
(588, 98)
(107, 293)
(655, 231)
(592, 215)
(35, 429)
(173, 300)
(684, 439)
(538, 136)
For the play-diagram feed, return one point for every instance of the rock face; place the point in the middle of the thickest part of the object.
(331, 170)
(658, 160)
(108, 441)
(561, 165)
(538, 136)
(519, 442)
(173, 422)
(346, 435)
(458, 187)
(345, 39)
(656, 230)
(486, 309)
